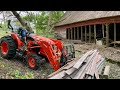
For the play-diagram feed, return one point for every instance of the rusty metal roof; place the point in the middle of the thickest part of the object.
(79, 16)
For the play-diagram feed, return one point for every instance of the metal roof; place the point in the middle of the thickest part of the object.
(79, 16)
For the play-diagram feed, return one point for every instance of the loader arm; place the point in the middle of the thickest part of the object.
(51, 54)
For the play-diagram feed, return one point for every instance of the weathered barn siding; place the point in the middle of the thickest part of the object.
(89, 26)
(80, 16)
(61, 32)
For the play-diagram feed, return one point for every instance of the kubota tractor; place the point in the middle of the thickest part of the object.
(35, 49)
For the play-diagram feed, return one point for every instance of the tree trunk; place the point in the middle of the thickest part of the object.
(49, 21)
(28, 28)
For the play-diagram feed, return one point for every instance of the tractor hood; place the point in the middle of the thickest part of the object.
(40, 38)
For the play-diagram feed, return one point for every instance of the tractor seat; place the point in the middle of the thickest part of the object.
(29, 36)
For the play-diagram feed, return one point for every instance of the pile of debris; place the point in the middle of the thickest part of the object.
(89, 66)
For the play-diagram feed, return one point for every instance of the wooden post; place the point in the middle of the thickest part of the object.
(95, 33)
(107, 35)
(85, 34)
(78, 33)
(71, 33)
(89, 34)
(68, 33)
(103, 30)
(74, 33)
(81, 33)
(114, 34)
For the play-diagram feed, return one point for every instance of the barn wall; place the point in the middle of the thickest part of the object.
(61, 32)
(101, 29)
(92, 22)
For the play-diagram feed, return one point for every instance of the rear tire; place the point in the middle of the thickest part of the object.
(33, 61)
(8, 47)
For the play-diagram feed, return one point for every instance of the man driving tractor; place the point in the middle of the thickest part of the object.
(23, 33)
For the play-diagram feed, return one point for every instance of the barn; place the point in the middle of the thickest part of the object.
(90, 26)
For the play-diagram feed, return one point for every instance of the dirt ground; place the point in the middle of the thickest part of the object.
(111, 54)
(16, 69)
(107, 52)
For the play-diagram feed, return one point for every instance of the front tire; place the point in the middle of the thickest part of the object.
(8, 47)
(33, 61)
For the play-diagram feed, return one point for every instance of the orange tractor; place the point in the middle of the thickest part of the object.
(36, 49)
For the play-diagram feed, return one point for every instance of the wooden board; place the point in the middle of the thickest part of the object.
(82, 69)
(80, 61)
(116, 42)
(93, 65)
(86, 67)
(70, 71)
(96, 74)
(65, 67)
(106, 71)
(58, 76)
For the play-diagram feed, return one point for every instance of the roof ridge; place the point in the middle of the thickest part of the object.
(79, 16)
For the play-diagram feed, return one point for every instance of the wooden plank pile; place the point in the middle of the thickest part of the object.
(89, 66)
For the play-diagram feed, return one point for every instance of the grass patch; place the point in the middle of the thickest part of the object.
(3, 33)
(16, 74)
(112, 61)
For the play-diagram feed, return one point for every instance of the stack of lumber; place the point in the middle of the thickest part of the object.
(88, 66)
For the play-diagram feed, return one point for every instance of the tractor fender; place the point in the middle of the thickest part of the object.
(17, 40)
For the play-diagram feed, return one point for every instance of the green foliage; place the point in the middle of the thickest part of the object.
(18, 75)
(3, 26)
(41, 20)
(57, 15)
(3, 33)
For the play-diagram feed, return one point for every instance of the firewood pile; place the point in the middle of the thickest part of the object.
(88, 66)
